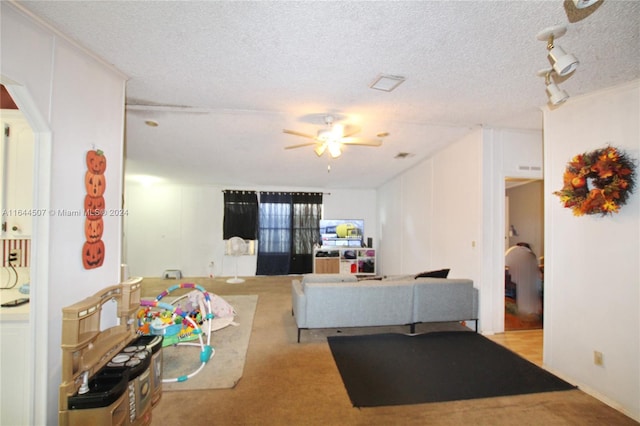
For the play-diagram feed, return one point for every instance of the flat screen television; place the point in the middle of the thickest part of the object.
(342, 232)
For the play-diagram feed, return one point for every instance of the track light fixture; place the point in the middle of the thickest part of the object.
(556, 95)
(563, 63)
(583, 4)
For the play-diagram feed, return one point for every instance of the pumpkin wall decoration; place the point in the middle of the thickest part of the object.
(94, 184)
(94, 207)
(93, 250)
(93, 230)
(96, 162)
(93, 254)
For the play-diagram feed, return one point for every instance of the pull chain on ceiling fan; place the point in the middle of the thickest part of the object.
(332, 137)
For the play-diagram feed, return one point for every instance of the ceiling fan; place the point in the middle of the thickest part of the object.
(332, 137)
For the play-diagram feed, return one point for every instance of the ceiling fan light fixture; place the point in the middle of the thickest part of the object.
(386, 82)
(334, 149)
(325, 134)
(332, 138)
(337, 131)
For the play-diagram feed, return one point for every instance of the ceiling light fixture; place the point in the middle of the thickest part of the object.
(556, 95)
(386, 82)
(334, 149)
(563, 63)
(583, 4)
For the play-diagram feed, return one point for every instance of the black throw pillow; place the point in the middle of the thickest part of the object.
(440, 273)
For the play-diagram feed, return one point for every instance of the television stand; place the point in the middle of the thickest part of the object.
(344, 260)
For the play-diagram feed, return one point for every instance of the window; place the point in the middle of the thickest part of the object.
(240, 215)
(289, 227)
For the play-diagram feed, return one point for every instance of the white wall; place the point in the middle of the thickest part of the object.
(592, 263)
(170, 226)
(428, 214)
(448, 212)
(74, 103)
(390, 250)
(456, 229)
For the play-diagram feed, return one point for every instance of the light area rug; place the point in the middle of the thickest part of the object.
(230, 344)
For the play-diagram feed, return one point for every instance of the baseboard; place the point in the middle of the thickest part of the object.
(597, 395)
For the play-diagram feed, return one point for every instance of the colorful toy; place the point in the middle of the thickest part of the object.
(180, 326)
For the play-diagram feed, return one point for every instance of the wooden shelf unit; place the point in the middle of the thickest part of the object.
(344, 260)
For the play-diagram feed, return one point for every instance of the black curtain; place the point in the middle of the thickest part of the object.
(274, 245)
(306, 213)
(240, 215)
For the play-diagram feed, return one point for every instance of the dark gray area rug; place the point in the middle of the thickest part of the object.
(397, 369)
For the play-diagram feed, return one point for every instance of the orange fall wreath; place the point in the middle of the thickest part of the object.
(597, 182)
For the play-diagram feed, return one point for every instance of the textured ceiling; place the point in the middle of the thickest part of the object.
(223, 79)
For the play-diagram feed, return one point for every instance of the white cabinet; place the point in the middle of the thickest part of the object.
(15, 388)
(344, 260)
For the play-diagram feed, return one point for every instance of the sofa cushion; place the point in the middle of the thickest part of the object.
(397, 277)
(359, 304)
(439, 273)
(328, 278)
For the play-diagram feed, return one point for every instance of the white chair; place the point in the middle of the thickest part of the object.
(523, 267)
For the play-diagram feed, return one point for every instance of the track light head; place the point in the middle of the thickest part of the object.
(583, 4)
(562, 62)
(556, 95)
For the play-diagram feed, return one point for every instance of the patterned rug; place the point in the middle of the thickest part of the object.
(230, 344)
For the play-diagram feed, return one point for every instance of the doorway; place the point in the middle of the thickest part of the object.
(33, 379)
(524, 254)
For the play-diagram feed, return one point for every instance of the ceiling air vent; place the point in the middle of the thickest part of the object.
(386, 82)
(403, 155)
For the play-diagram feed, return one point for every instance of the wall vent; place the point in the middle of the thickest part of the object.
(403, 155)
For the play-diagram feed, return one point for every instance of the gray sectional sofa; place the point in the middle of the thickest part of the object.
(339, 300)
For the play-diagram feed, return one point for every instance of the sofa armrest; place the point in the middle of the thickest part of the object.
(476, 304)
(444, 299)
(298, 303)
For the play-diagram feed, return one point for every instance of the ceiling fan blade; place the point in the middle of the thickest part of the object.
(300, 145)
(293, 132)
(361, 141)
(350, 130)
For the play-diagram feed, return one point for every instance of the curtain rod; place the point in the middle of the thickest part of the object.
(290, 192)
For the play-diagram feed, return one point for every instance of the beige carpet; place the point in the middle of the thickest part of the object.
(225, 369)
(290, 384)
